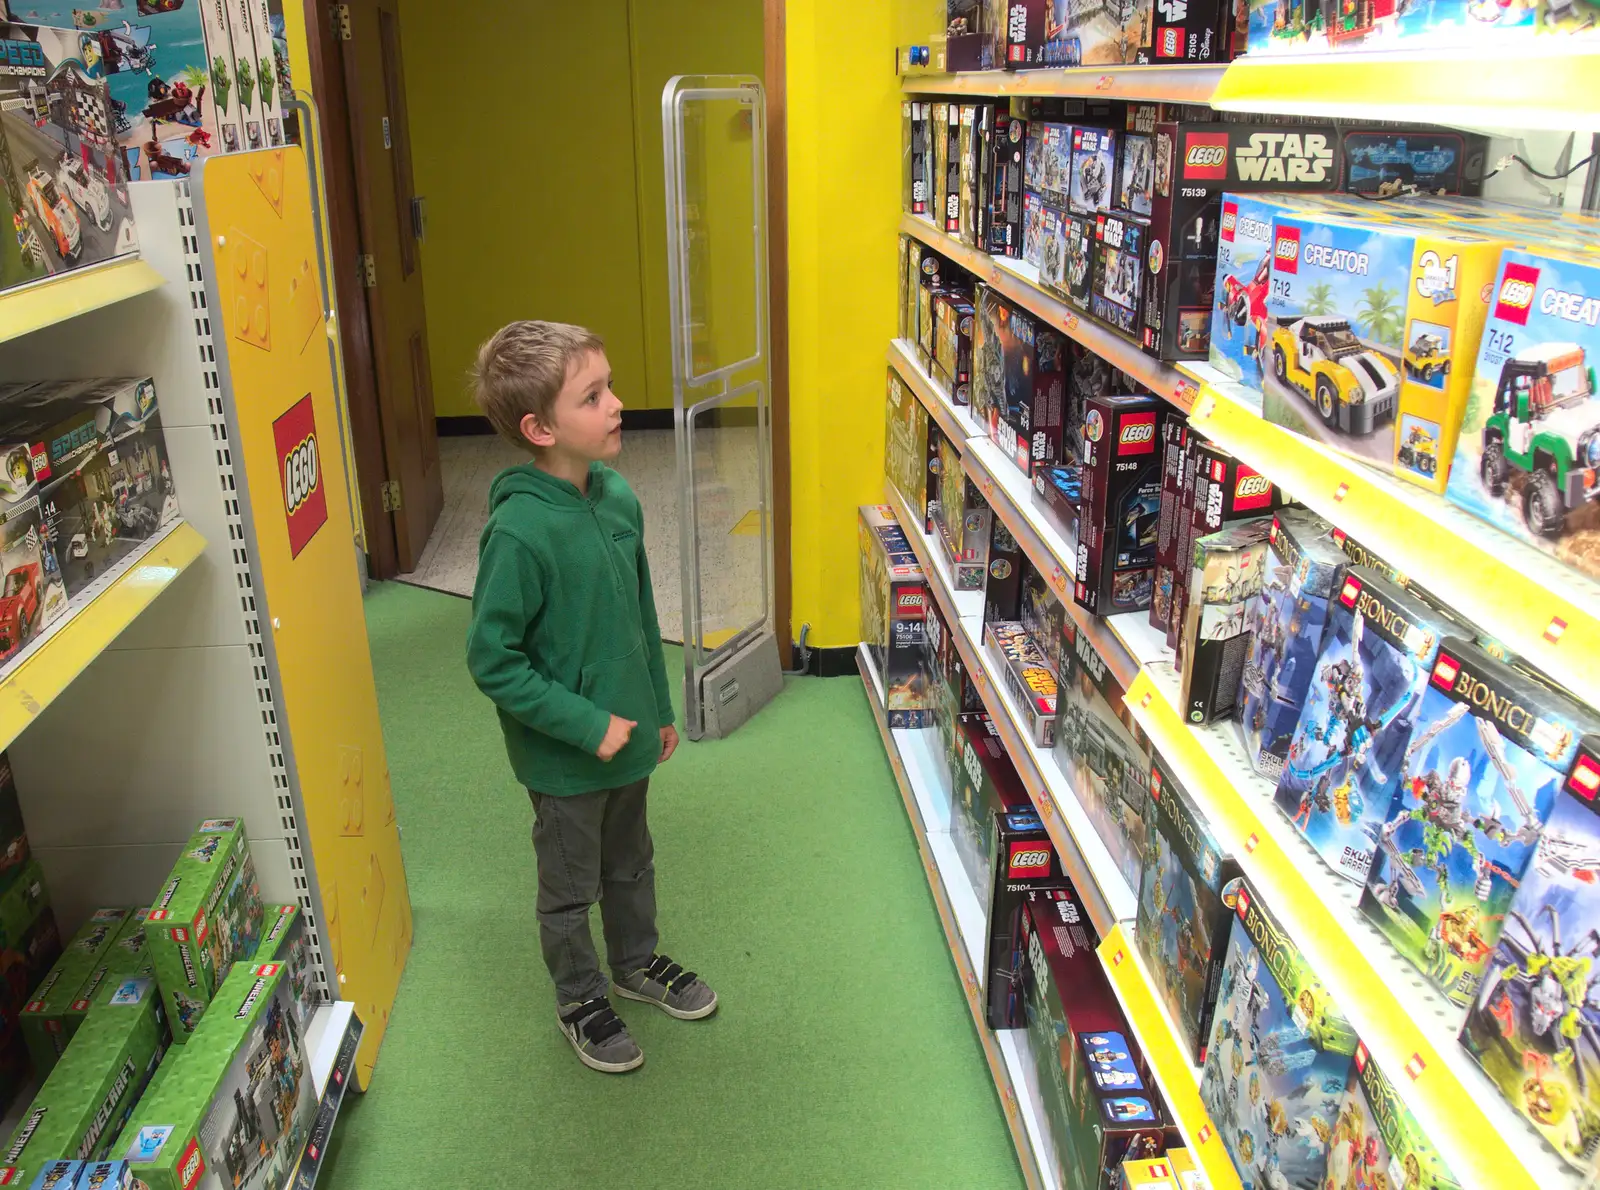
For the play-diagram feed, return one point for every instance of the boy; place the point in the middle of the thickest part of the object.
(564, 641)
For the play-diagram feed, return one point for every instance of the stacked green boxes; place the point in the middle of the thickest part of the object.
(235, 1106)
(283, 937)
(207, 916)
(81, 1108)
(125, 956)
(45, 1017)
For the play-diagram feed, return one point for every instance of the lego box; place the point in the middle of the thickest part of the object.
(1003, 192)
(1022, 365)
(986, 784)
(1366, 321)
(1063, 33)
(34, 595)
(1022, 861)
(207, 916)
(284, 940)
(1275, 1031)
(964, 521)
(1225, 579)
(1121, 503)
(910, 451)
(124, 956)
(894, 600)
(1377, 1135)
(1240, 345)
(1491, 751)
(46, 1019)
(236, 1109)
(1029, 681)
(1528, 458)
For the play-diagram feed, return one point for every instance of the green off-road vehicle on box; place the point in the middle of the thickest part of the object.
(1546, 424)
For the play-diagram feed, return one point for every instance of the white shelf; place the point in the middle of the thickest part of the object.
(956, 421)
(323, 1037)
(960, 605)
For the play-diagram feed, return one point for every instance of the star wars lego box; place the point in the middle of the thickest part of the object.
(952, 356)
(1061, 33)
(1225, 579)
(1101, 1107)
(1275, 1031)
(1024, 375)
(1490, 752)
(1342, 767)
(1059, 490)
(1102, 752)
(1183, 922)
(63, 186)
(1377, 1136)
(1094, 170)
(915, 138)
(1026, 674)
(946, 125)
(207, 917)
(1042, 616)
(1285, 623)
(237, 1107)
(986, 784)
(1366, 321)
(44, 1019)
(1022, 860)
(1240, 345)
(1528, 457)
(1174, 460)
(90, 1094)
(1121, 501)
(894, 601)
(977, 120)
(944, 712)
(1053, 224)
(1003, 190)
(34, 595)
(910, 452)
(1049, 162)
(963, 519)
(1117, 295)
(1529, 1025)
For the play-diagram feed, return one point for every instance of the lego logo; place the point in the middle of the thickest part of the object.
(1445, 671)
(180, 935)
(910, 599)
(1286, 249)
(300, 473)
(1252, 485)
(1030, 859)
(159, 914)
(1144, 432)
(191, 1166)
(267, 970)
(1243, 905)
(1518, 294)
(1361, 1055)
(1350, 592)
(1585, 779)
(1207, 155)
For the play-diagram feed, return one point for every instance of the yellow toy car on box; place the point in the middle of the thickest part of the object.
(1351, 386)
(1426, 358)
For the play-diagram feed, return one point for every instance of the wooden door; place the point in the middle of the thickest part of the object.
(391, 270)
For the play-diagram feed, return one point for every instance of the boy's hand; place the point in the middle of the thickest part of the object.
(669, 743)
(617, 736)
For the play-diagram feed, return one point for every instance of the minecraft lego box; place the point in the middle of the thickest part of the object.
(1531, 1027)
(1365, 323)
(1182, 925)
(124, 956)
(1022, 861)
(63, 187)
(14, 849)
(207, 917)
(46, 1020)
(1280, 1053)
(284, 939)
(1491, 751)
(1377, 1136)
(1342, 767)
(236, 1108)
(1528, 457)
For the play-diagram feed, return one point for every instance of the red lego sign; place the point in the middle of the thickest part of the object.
(305, 497)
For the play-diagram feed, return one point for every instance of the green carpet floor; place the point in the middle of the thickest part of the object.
(843, 1055)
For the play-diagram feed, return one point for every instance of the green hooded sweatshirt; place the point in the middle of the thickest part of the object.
(564, 631)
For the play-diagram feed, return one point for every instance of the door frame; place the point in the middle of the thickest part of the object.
(349, 296)
(774, 81)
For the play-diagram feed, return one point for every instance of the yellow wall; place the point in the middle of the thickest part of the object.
(536, 133)
(844, 204)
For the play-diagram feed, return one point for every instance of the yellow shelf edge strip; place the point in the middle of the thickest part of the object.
(45, 303)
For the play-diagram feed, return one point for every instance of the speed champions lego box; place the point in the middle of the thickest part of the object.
(235, 1109)
(1490, 752)
(1531, 1027)
(1361, 364)
(1528, 458)
(1280, 1053)
(207, 916)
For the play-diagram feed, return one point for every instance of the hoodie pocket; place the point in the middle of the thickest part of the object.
(622, 687)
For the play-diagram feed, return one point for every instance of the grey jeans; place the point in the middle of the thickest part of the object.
(594, 847)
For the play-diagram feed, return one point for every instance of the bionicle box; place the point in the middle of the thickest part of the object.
(1365, 322)
(1175, 459)
(1002, 590)
(1027, 677)
(1022, 860)
(1182, 926)
(1121, 503)
(986, 784)
(1342, 767)
(1032, 360)
(1377, 1136)
(1195, 162)
(1225, 577)
(283, 938)
(1101, 1107)
(1062, 33)
(1116, 296)
(63, 186)
(1490, 752)
(1530, 1026)
(34, 595)
(1280, 1053)
(1003, 192)
(963, 519)
(207, 916)
(1094, 170)
(1527, 457)
(894, 600)
(1102, 751)
(91, 1092)
(909, 453)
(1285, 623)
(1240, 347)
(953, 317)
(236, 1109)
(44, 1019)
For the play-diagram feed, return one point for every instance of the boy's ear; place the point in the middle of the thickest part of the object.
(535, 431)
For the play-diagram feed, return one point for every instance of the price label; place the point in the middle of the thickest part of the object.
(1252, 843)
(1144, 702)
(1204, 1134)
(1116, 959)
(1554, 630)
(1340, 492)
(1069, 323)
(1058, 580)
(1415, 1067)
(1205, 407)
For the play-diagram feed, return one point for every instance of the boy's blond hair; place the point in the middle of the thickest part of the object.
(520, 369)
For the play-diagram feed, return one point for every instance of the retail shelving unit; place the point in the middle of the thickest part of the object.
(224, 670)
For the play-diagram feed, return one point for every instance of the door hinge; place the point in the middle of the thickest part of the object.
(391, 495)
(341, 21)
(367, 269)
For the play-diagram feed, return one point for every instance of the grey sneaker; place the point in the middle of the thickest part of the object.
(599, 1037)
(669, 987)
